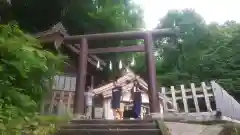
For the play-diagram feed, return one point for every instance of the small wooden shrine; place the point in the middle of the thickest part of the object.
(126, 81)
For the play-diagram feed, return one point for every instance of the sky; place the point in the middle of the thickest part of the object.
(211, 10)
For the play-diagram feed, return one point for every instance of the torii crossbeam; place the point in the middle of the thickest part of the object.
(147, 36)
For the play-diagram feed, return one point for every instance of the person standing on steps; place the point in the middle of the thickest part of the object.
(88, 101)
(117, 107)
(137, 100)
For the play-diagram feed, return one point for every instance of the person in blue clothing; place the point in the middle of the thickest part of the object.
(137, 100)
(116, 101)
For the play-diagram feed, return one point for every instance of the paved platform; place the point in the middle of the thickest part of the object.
(193, 129)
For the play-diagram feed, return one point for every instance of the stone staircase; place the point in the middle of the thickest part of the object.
(138, 127)
(110, 127)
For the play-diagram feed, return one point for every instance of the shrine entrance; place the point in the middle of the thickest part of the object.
(147, 48)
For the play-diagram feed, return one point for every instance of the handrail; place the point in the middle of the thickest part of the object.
(226, 105)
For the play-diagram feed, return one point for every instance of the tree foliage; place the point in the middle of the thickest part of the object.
(80, 17)
(203, 52)
(101, 16)
(25, 73)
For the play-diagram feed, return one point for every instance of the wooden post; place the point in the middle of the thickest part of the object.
(152, 88)
(69, 102)
(195, 97)
(184, 98)
(174, 101)
(60, 107)
(81, 79)
(165, 109)
(92, 82)
(52, 102)
(205, 93)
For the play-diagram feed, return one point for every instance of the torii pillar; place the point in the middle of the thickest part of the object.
(151, 71)
(79, 97)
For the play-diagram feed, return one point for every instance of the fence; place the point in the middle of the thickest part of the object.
(214, 99)
(185, 99)
(64, 82)
(193, 99)
(60, 100)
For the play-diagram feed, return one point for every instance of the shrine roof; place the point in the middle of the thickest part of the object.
(60, 32)
(57, 28)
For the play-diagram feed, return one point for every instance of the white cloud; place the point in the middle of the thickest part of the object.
(211, 10)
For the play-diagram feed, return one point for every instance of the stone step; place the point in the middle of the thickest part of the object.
(96, 121)
(109, 132)
(110, 126)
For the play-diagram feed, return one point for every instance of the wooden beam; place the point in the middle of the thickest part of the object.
(49, 38)
(133, 48)
(103, 63)
(120, 35)
(77, 51)
(57, 38)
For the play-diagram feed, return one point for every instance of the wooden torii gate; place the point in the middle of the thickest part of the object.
(147, 47)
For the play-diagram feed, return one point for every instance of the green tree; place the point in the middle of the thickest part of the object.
(79, 17)
(26, 71)
(201, 53)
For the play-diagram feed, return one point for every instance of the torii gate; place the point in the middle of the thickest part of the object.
(147, 47)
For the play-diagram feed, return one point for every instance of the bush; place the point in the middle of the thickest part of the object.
(39, 125)
(26, 71)
(45, 125)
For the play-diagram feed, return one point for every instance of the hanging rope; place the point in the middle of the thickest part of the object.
(120, 64)
(98, 64)
(133, 62)
(110, 66)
